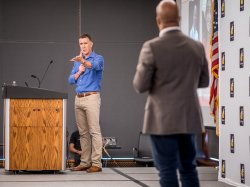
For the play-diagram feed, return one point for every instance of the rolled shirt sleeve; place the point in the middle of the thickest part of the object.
(97, 64)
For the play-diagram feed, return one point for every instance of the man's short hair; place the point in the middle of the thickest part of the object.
(85, 35)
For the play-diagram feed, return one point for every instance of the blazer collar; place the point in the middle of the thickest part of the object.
(168, 29)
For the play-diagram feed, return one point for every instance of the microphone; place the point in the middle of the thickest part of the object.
(83, 56)
(46, 71)
(39, 82)
(26, 84)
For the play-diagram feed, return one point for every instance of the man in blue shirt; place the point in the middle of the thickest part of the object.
(86, 75)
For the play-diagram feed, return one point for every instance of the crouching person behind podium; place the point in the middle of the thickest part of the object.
(86, 75)
(75, 147)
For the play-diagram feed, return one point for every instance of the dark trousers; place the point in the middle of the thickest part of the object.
(77, 159)
(172, 152)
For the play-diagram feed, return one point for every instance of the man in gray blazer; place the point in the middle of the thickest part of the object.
(171, 67)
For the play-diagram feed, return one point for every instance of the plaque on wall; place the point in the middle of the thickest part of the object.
(232, 87)
(242, 173)
(223, 115)
(232, 143)
(242, 5)
(241, 56)
(223, 61)
(222, 8)
(241, 116)
(232, 31)
(223, 169)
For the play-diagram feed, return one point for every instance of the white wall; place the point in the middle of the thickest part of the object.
(234, 152)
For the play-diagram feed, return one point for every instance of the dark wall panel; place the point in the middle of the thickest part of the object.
(35, 32)
(119, 20)
(1, 101)
(1, 18)
(33, 58)
(46, 20)
(1, 71)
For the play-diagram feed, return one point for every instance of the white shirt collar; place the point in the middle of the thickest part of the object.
(168, 29)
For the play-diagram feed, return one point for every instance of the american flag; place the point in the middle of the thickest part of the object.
(214, 99)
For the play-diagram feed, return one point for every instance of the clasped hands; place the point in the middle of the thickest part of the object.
(79, 58)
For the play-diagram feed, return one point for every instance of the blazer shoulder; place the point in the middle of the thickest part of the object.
(153, 40)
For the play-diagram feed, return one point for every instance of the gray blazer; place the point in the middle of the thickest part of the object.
(171, 68)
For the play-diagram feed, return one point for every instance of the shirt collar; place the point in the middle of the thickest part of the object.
(92, 54)
(163, 31)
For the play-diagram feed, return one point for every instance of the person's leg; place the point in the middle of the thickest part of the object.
(85, 140)
(93, 115)
(187, 164)
(77, 159)
(165, 150)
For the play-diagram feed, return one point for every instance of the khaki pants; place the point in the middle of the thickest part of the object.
(87, 112)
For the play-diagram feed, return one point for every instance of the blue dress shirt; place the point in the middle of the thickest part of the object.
(90, 80)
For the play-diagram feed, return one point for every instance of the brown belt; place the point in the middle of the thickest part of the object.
(86, 94)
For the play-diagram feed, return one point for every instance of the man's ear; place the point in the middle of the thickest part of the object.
(158, 22)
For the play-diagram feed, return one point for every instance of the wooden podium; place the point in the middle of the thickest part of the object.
(34, 129)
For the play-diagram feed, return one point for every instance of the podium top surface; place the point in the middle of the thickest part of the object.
(19, 92)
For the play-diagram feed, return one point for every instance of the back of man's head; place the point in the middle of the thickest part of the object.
(167, 14)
